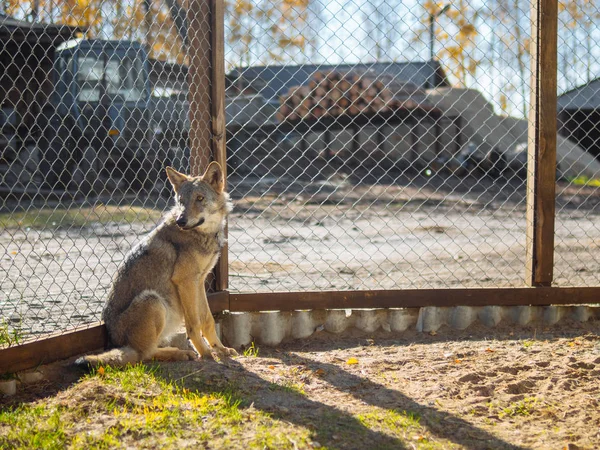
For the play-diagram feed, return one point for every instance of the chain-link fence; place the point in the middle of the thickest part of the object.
(94, 104)
(383, 144)
(370, 144)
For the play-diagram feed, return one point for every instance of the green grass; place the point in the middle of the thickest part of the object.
(585, 181)
(527, 343)
(41, 219)
(10, 335)
(400, 424)
(114, 408)
(251, 351)
(152, 407)
(523, 407)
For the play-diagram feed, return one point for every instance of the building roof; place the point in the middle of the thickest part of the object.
(21, 30)
(586, 96)
(273, 81)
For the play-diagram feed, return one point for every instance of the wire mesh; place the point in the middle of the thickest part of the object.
(577, 260)
(94, 101)
(378, 144)
(371, 144)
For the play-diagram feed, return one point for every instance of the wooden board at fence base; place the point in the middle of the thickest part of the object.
(53, 348)
(413, 298)
(72, 342)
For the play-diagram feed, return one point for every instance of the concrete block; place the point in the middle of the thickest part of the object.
(271, 327)
(237, 328)
(368, 320)
(31, 377)
(553, 314)
(302, 324)
(462, 316)
(337, 321)
(522, 315)
(402, 319)
(431, 318)
(582, 313)
(491, 316)
(8, 387)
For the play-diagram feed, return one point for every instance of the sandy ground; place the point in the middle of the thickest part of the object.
(330, 235)
(505, 388)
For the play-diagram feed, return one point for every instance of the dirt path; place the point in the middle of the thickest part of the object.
(501, 389)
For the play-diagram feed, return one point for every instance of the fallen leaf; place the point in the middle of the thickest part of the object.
(352, 361)
(489, 350)
(272, 367)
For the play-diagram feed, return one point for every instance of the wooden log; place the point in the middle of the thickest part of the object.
(386, 95)
(318, 76)
(353, 92)
(318, 112)
(319, 92)
(335, 111)
(371, 92)
(344, 102)
(302, 111)
(285, 110)
(344, 85)
(333, 77)
(377, 104)
(353, 110)
(334, 95)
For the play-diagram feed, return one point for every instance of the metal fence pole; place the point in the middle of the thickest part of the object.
(541, 180)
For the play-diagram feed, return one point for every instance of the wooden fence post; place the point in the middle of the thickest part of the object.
(219, 149)
(199, 82)
(206, 79)
(541, 179)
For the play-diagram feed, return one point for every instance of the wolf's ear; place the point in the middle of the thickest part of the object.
(176, 178)
(214, 177)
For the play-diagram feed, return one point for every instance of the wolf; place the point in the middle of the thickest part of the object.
(161, 283)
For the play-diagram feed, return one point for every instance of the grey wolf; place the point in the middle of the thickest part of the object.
(161, 283)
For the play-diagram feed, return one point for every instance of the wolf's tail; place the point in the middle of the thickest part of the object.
(116, 357)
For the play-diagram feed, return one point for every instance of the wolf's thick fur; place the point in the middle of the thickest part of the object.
(161, 283)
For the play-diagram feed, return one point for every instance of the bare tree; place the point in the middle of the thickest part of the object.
(381, 25)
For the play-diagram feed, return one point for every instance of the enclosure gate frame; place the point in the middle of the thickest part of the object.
(540, 202)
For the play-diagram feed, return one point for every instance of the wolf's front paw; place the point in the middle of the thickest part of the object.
(207, 356)
(226, 351)
(189, 355)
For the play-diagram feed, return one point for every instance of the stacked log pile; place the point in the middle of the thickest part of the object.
(332, 94)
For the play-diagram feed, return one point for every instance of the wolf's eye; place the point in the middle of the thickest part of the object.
(200, 198)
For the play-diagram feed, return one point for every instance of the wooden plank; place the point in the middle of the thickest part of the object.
(218, 118)
(53, 348)
(541, 179)
(412, 298)
(199, 75)
(67, 344)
